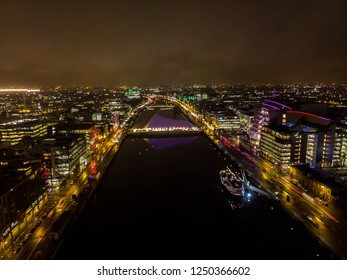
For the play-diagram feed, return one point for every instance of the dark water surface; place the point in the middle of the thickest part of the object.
(166, 203)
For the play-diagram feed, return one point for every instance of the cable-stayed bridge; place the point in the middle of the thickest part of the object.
(163, 120)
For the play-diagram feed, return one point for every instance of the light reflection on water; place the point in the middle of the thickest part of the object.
(167, 203)
(160, 144)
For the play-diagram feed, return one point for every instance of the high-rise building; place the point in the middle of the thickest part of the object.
(90, 131)
(287, 136)
(246, 121)
(313, 138)
(276, 144)
(13, 132)
(64, 154)
(340, 148)
(269, 112)
(223, 119)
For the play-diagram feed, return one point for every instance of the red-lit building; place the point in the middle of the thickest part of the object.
(90, 131)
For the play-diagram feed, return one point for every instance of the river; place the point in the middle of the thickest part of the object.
(161, 199)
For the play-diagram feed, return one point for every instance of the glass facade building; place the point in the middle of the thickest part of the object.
(14, 131)
(286, 136)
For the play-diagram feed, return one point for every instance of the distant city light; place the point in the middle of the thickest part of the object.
(18, 90)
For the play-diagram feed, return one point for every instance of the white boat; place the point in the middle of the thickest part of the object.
(232, 182)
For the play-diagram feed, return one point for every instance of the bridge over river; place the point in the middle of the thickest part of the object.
(161, 198)
(163, 120)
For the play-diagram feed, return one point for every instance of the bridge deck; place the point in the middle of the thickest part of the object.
(164, 133)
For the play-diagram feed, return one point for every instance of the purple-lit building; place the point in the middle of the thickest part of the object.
(304, 135)
(271, 112)
(313, 139)
(340, 149)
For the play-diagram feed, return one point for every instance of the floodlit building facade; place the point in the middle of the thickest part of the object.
(286, 136)
(13, 132)
(64, 155)
(276, 145)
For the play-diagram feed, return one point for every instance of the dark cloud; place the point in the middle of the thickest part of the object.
(165, 42)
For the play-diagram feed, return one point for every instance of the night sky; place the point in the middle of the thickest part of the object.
(144, 42)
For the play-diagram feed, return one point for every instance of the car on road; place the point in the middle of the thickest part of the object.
(294, 181)
(26, 237)
(39, 222)
(17, 249)
(22, 242)
(322, 202)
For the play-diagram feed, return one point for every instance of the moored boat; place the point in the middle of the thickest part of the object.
(232, 182)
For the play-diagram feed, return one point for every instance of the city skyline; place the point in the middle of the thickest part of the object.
(248, 153)
(157, 43)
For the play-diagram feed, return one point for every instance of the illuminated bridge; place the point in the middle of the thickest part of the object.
(162, 106)
(163, 120)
